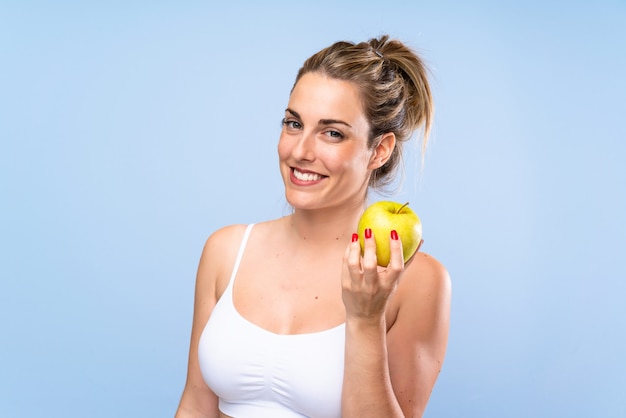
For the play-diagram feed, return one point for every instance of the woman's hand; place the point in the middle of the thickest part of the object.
(367, 287)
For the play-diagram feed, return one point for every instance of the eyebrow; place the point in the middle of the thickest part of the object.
(321, 121)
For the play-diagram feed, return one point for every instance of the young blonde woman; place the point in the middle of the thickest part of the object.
(290, 318)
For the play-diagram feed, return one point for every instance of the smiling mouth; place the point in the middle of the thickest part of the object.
(306, 176)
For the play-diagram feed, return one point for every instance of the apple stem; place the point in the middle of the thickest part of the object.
(402, 207)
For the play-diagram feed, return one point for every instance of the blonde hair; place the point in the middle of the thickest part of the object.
(393, 83)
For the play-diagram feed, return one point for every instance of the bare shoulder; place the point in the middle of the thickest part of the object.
(424, 294)
(218, 257)
(425, 271)
(222, 246)
(224, 238)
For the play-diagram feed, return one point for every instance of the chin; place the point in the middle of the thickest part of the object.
(298, 203)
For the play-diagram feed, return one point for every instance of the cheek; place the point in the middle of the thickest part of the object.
(283, 148)
(359, 161)
(352, 162)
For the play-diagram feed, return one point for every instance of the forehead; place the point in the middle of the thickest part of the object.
(321, 97)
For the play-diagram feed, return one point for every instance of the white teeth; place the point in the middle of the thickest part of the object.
(306, 176)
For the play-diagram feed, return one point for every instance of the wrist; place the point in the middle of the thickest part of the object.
(366, 324)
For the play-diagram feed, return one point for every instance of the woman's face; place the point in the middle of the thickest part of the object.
(324, 158)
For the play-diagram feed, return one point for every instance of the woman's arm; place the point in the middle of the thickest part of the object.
(418, 338)
(390, 369)
(197, 400)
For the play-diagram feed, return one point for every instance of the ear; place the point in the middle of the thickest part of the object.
(382, 151)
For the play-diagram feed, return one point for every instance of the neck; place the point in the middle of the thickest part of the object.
(331, 225)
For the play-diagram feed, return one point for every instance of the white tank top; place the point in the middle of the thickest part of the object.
(256, 373)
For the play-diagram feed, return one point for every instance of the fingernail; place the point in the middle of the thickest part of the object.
(368, 233)
(394, 235)
(355, 237)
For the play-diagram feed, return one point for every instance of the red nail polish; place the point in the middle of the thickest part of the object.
(355, 237)
(368, 233)
(394, 235)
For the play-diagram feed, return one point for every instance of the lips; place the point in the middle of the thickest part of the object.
(300, 176)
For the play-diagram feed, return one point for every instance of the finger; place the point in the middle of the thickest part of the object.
(370, 261)
(396, 260)
(354, 254)
(352, 260)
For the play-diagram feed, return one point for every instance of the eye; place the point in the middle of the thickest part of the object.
(291, 124)
(334, 134)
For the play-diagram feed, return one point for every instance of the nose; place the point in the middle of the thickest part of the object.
(304, 149)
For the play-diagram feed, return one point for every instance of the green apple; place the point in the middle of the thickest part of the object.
(383, 217)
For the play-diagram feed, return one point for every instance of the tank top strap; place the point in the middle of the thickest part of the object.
(242, 247)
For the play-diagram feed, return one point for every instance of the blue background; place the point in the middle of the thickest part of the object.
(130, 131)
